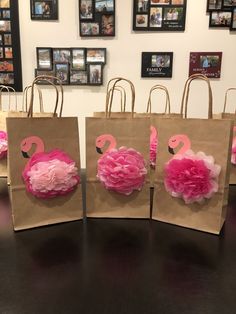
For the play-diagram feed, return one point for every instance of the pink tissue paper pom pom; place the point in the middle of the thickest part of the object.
(3, 144)
(233, 155)
(52, 174)
(153, 152)
(193, 177)
(122, 170)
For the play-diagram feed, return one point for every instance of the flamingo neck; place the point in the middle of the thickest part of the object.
(38, 142)
(109, 138)
(153, 133)
(187, 144)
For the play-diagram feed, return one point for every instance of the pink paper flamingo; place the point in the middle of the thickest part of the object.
(233, 155)
(153, 146)
(193, 177)
(122, 170)
(47, 175)
(3, 144)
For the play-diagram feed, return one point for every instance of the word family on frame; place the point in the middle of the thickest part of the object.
(97, 18)
(159, 15)
(10, 54)
(73, 66)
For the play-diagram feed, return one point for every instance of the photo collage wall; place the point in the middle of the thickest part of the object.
(97, 18)
(73, 66)
(10, 55)
(222, 13)
(159, 15)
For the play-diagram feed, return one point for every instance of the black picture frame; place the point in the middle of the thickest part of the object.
(44, 10)
(74, 63)
(78, 59)
(228, 4)
(233, 20)
(97, 18)
(96, 55)
(157, 64)
(44, 72)
(10, 49)
(159, 15)
(62, 72)
(44, 58)
(214, 5)
(95, 73)
(78, 77)
(220, 19)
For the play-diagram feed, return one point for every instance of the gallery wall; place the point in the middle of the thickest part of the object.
(124, 58)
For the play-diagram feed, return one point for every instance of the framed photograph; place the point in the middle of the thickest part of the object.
(78, 57)
(7, 40)
(8, 53)
(6, 66)
(207, 63)
(61, 55)
(44, 10)
(214, 5)
(233, 20)
(5, 26)
(5, 4)
(10, 49)
(159, 15)
(78, 77)
(157, 64)
(96, 55)
(86, 9)
(44, 72)
(7, 78)
(62, 72)
(220, 19)
(95, 74)
(228, 4)
(44, 58)
(97, 18)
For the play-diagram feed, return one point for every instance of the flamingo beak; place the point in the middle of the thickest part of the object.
(171, 150)
(98, 149)
(25, 155)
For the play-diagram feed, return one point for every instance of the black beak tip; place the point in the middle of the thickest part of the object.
(99, 151)
(25, 155)
(171, 151)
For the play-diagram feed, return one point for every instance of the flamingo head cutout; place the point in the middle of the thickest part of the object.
(102, 140)
(27, 144)
(176, 140)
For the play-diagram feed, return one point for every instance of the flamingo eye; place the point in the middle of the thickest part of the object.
(173, 141)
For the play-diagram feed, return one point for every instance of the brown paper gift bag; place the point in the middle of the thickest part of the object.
(111, 88)
(232, 116)
(128, 132)
(29, 211)
(11, 111)
(213, 137)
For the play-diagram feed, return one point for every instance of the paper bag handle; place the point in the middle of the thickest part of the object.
(122, 97)
(185, 97)
(108, 110)
(48, 79)
(158, 87)
(226, 97)
(25, 99)
(8, 89)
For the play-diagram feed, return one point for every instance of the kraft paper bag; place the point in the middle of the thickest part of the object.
(111, 88)
(101, 202)
(232, 116)
(179, 184)
(26, 137)
(11, 110)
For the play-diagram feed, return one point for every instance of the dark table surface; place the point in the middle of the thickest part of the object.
(117, 266)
